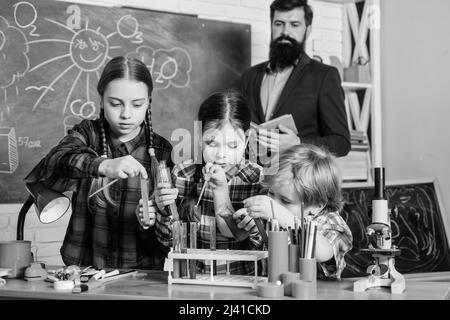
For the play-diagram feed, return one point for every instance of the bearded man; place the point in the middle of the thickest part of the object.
(293, 83)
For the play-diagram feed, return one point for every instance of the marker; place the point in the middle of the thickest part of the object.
(97, 276)
(110, 274)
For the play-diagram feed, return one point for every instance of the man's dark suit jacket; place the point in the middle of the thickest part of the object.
(313, 95)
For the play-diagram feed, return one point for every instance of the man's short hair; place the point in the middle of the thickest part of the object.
(287, 5)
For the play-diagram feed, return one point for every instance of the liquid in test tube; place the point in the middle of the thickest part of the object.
(192, 245)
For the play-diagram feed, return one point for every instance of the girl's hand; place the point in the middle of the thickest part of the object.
(123, 168)
(243, 220)
(259, 207)
(215, 175)
(165, 195)
(146, 223)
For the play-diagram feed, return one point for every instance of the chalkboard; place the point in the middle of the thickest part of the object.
(51, 56)
(419, 229)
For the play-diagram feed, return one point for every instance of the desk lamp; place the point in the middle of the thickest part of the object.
(50, 205)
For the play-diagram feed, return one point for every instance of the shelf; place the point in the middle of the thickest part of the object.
(355, 85)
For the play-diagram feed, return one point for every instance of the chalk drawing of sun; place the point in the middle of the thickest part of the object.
(89, 56)
(87, 52)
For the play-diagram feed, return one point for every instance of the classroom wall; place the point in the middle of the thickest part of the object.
(325, 41)
(415, 59)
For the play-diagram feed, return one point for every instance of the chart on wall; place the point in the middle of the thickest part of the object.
(52, 54)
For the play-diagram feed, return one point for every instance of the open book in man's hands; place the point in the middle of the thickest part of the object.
(286, 120)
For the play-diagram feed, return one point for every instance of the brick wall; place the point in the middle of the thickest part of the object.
(325, 41)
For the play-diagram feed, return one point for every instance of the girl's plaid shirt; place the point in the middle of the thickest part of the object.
(244, 181)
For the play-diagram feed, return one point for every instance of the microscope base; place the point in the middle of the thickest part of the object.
(394, 279)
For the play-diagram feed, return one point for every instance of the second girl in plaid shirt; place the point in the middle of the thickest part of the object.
(225, 118)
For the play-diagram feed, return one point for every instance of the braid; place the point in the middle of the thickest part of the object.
(150, 127)
(151, 151)
(103, 134)
(102, 198)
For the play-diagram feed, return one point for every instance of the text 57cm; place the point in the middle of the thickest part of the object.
(28, 143)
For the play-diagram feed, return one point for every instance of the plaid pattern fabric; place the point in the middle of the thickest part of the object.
(335, 230)
(105, 237)
(244, 181)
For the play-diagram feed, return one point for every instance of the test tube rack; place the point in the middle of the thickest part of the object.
(229, 280)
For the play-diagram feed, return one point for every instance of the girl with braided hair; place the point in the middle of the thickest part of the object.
(105, 229)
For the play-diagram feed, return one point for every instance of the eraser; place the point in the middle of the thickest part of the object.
(270, 290)
(63, 285)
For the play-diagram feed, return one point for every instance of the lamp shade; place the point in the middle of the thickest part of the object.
(50, 205)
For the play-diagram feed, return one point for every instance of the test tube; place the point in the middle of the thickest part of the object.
(164, 176)
(212, 240)
(192, 245)
(212, 243)
(183, 247)
(176, 244)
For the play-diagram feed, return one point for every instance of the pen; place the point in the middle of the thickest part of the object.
(295, 230)
(314, 242)
(290, 235)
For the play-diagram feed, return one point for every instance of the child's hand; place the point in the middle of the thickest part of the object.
(243, 220)
(123, 168)
(146, 223)
(215, 175)
(259, 207)
(165, 195)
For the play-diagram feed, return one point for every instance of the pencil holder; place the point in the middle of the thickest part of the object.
(287, 279)
(278, 255)
(294, 255)
(303, 289)
(308, 269)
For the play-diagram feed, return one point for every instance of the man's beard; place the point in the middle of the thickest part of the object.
(284, 54)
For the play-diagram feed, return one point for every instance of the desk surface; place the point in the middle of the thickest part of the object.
(153, 285)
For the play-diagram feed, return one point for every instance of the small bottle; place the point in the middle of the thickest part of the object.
(164, 176)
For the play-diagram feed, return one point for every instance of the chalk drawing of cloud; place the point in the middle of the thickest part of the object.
(14, 62)
(169, 67)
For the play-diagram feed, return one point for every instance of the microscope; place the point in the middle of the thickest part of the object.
(382, 273)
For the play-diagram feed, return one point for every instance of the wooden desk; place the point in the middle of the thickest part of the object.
(153, 285)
